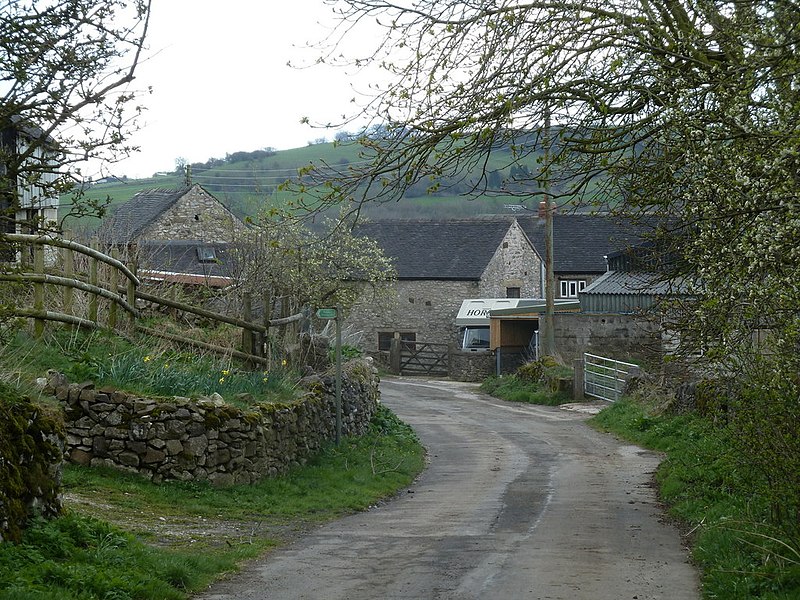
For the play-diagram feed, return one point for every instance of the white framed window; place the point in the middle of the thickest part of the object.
(571, 287)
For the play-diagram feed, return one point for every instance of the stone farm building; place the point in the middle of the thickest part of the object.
(440, 263)
(180, 236)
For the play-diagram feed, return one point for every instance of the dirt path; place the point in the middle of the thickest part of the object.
(518, 502)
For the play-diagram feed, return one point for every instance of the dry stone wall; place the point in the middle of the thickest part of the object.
(207, 439)
(31, 448)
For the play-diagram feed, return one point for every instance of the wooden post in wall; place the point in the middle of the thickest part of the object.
(67, 296)
(112, 283)
(38, 288)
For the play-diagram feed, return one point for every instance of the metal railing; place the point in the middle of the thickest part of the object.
(606, 378)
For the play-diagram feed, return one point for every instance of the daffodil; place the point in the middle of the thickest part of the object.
(146, 358)
(226, 372)
(222, 380)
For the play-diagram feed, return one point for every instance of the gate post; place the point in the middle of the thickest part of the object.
(394, 355)
(577, 379)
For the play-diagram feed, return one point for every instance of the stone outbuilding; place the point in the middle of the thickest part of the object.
(440, 263)
(180, 236)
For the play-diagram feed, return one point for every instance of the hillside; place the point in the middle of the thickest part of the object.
(248, 181)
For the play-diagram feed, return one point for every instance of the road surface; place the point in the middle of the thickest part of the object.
(518, 502)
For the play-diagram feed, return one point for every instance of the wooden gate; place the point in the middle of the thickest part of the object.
(419, 358)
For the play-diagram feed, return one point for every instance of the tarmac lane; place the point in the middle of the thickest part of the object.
(518, 501)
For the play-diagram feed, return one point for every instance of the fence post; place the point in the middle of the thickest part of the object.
(69, 272)
(247, 315)
(577, 380)
(131, 296)
(38, 288)
(112, 283)
(93, 281)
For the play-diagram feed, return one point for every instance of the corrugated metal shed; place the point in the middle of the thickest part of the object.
(625, 292)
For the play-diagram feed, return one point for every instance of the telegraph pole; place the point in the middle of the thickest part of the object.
(548, 342)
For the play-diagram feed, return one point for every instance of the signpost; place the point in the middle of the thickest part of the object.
(333, 313)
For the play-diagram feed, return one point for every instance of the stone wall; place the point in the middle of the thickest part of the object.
(207, 439)
(197, 215)
(622, 337)
(471, 366)
(425, 308)
(31, 449)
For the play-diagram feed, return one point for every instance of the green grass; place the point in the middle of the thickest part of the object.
(145, 366)
(741, 552)
(82, 557)
(517, 389)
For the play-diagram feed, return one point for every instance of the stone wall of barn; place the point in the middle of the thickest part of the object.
(209, 440)
(515, 264)
(197, 215)
(426, 308)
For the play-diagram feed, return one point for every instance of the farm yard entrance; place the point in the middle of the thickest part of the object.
(418, 358)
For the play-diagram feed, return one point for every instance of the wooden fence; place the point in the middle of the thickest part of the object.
(105, 278)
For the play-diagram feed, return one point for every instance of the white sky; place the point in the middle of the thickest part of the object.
(221, 83)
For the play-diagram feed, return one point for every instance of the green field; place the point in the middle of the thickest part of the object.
(250, 185)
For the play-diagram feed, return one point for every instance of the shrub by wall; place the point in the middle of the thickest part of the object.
(183, 439)
(31, 448)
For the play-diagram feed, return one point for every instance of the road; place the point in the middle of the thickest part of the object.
(518, 502)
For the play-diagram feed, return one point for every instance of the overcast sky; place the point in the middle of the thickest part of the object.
(221, 83)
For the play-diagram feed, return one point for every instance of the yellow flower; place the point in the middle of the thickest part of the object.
(283, 362)
(222, 380)
(226, 372)
(146, 359)
(265, 379)
(166, 365)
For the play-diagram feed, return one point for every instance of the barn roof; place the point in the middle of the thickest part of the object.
(127, 222)
(581, 241)
(462, 248)
(456, 249)
(204, 260)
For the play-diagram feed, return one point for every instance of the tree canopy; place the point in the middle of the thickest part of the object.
(66, 69)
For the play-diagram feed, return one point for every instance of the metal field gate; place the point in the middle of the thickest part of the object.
(605, 378)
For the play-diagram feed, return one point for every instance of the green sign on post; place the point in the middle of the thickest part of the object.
(326, 313)
(333, 313)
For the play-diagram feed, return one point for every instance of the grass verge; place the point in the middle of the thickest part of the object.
(517, 389)
(124, 538)
(741, 551)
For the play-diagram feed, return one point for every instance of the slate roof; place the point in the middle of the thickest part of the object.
(580, 241)
(131, 218)
(181, 256)
(462, 248)
(438, 249)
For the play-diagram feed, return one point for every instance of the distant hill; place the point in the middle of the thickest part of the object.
(246, 182)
